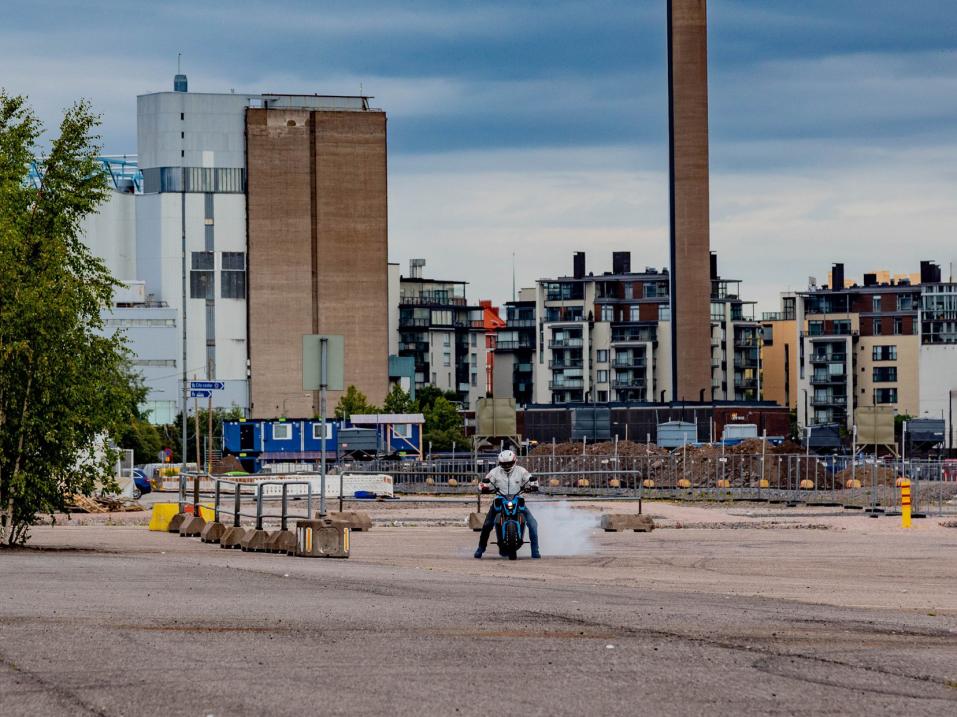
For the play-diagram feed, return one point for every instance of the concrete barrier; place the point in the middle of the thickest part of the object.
(212, 532)
(192, 527)
(354, 520)
(281, 541)
(321, 538)
(616, 522)
(176, 522)
(476, 521)
(254, 541)
(232, 537)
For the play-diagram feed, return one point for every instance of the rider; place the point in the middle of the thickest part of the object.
(509, 479)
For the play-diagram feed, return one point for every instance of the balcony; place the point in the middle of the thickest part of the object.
(628, 383)
(624, 337)
(752, 343)
(740, 362)
(514, 345)
(567, 384)
(572, 363)
(408, 322)
(432, 300)
(629, 362)
(829, 401)
(829, 379)
(566, 343)
(745, 382)
(778, 316)
(829, 358)
(417, 346)
(520, 323)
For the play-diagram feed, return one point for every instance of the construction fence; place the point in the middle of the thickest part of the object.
(864, 483)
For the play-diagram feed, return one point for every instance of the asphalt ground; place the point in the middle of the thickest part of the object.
(816, 615)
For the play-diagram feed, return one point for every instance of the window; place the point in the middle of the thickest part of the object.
(905, 302)
(317, 431)
(233, 275)
(876, 327)
(607, 313)
(442, 318)
(446, 358)
(474, 339)
(651, 290)
(602, 356)
(281, 431)
(885, 395)
(815, 328)
(885, 374)
(634, 313)
(475, 379)
(446, 340)
(898, 326)
(884, 353)
(603, 376)
(201, 281)
(182, 116)
(876, 303)
(402, 430)
(603, 397)
(842, 328)
(664, 312)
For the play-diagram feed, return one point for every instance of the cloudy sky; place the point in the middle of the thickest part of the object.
(540, 128)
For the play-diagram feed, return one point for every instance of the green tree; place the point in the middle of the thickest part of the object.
(444, 427)
(64, 386)
(426, 396)
(398, 401)
(353, 401)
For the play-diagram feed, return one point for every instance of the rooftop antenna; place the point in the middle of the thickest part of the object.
(179, 57)
(513, 276)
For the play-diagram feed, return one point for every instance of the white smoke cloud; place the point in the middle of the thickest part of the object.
(562, 530)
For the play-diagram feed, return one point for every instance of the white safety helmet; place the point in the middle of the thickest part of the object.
(506, 459)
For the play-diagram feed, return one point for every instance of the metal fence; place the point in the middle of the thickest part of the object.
(231, 500)
(863, 484)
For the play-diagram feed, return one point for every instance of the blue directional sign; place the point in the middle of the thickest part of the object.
(200, 393)
(207, 385)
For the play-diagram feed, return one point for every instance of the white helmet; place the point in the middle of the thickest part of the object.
(506, 459)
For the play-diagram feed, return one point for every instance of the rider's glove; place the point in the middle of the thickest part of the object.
(533, 486)
(485, 487)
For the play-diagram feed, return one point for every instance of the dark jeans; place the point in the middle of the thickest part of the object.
(489, 525)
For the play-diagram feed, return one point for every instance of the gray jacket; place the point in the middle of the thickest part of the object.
(509, 483)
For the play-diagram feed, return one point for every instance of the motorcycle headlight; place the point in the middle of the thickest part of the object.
(509, 505)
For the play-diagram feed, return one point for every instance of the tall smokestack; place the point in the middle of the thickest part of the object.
(690, 242)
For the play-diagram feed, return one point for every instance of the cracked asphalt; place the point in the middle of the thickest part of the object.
(102, 620)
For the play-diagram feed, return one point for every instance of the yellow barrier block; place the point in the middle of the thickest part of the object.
(162, 514)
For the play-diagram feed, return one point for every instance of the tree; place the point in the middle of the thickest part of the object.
(398, 401)
(444, 427)
(353, 401)
(64, 384)
(426, 396)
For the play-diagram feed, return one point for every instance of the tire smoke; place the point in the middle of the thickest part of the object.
(562, 530)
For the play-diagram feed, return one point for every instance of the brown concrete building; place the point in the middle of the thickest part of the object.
(690, 242)
(780, 354)
(317, 228)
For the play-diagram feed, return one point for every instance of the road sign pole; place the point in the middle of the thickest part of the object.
(196, 425)
(323, 381)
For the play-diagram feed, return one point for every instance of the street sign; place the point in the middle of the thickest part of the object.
(199, 393)
(207, 386)
(312, 362)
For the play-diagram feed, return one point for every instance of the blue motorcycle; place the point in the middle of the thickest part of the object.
(509, 523)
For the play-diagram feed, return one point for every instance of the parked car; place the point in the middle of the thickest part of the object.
(141, 484)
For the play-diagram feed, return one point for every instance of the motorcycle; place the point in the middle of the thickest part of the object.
(509, 523)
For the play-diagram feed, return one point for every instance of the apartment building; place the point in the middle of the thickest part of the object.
(443, 333)
(735, 342)
(860, 344)
(515, 350)
(779, 353)
(597, 335)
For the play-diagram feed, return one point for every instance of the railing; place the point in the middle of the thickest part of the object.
(829, 358)
(628, 362)
(628, 383)
(566, 344)
(566, 364)
(519, 323)
(567, 385)
(513, 345)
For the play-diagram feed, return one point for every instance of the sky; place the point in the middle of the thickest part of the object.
(537, 129)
